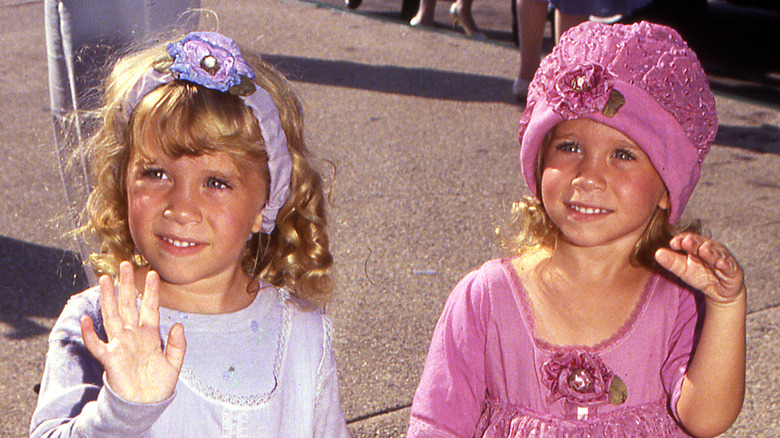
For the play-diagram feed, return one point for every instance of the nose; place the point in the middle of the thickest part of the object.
(590, 175)
(183, 205)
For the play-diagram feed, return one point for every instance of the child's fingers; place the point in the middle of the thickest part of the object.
(676, 243)
(727, 267)
(128, 309)
(91, 339)
(176, 346)
(108, 306)
(704, 264)
(150, 302)
(705, 251)
(713, 256)
(688, 242)
(672, 261)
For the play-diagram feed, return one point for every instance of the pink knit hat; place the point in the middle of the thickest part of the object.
(641, 79)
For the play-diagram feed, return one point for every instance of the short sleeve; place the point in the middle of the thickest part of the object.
(450, 397)
(681, 345)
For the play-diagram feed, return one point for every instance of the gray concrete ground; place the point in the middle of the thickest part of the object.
(421, 128)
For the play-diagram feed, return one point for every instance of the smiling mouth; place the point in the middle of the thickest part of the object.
(588, 210)
(179, 243)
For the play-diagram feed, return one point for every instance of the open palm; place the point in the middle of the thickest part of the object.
(137, 368)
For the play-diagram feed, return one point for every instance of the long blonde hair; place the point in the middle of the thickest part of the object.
(189, 119)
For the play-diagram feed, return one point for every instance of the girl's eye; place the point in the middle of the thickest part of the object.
(154, 173)
(569, 146)
(217, 183)
(621, 154)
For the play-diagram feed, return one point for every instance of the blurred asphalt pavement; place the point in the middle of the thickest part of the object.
(422, 130)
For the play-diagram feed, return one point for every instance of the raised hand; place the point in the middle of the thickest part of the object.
(704, 264)
(137, 368)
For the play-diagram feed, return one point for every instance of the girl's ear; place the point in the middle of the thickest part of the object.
(664, 203)
(257, 226)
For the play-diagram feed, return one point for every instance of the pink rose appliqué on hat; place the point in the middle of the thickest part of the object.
(641, 79)
(579, 90)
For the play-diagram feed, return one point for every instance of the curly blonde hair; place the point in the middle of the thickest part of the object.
(189, 119)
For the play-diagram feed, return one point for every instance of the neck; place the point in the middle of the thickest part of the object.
(606, 265)
(225, 293)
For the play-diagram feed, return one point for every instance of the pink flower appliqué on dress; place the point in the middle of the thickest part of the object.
(579, 377)
(583, 89)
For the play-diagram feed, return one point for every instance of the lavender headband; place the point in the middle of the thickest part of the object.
(214, 61)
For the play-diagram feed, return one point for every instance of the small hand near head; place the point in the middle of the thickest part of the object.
(706, 265)
(136, 367)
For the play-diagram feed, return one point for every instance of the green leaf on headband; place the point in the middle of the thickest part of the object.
(245, 88)
(163, 63)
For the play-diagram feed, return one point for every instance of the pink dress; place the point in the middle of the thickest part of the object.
(486, 374)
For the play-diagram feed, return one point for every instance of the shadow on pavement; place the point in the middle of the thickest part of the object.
(736, 43)
(763, 139)
(393, 79)
(37, 282)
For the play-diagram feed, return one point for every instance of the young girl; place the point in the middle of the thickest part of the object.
(608, 322)
(212, 221)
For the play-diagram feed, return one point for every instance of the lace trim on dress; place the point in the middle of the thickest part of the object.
(618, 336)
(192, 381)
(326, 347)
(510, 421)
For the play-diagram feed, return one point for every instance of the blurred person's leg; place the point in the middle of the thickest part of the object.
(531, 20)
(81, 37)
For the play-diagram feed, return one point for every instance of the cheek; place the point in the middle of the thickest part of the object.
(139, 209)
(646, 188)
(234, 223)
(551, 182)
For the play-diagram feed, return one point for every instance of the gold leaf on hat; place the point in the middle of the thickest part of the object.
(615, 101)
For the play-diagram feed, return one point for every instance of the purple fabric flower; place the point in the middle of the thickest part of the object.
(579, 377)
(582, 89)
(209, 59)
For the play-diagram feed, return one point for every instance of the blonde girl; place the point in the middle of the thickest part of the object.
(608, 320)
(208, 319)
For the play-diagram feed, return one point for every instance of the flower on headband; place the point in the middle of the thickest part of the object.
(582, 89)
(211, 60)
(582, 379)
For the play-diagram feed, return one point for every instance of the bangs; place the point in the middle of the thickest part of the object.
(187, 119)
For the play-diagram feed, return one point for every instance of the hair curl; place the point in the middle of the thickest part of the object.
(188, 119)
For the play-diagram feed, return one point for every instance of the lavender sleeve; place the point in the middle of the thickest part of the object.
(74, 400)
(328, 416)
(681, 345)
(450, 397)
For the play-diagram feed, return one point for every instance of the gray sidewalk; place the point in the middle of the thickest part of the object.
(422, 131)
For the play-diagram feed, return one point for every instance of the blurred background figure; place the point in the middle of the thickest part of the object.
(532, 18)
(82, 36)
(460, 14)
